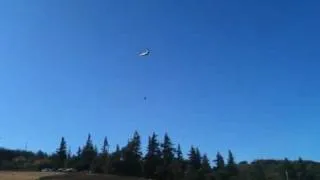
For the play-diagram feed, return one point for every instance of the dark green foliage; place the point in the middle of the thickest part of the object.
(159, 163)
(79, 151)
(258, 172)
(219, 162)
(231, 165)
(152, 158)
(41, 154)
(220, 171)
(167, 159)
(182, 162)
(192, 173)
(302, 171)
(131, 164)
(167, 150)
(288, 171)
(61, 158)
(205, 168)
(102, 162)
(179, 154)
(205, 164)
(105, 146)
(88, 154)
(194, 158)
(243, 162)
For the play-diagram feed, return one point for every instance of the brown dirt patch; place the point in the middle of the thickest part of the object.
(14, 175)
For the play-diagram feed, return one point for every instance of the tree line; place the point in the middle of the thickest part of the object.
(162, 161)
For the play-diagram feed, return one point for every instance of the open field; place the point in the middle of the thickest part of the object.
(82, 176)
(14, 175)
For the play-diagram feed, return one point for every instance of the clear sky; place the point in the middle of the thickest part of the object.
(239, 75)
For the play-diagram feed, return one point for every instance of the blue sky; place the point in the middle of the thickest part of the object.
(239, 75)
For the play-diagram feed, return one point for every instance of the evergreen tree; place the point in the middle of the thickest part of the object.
(79, 152)
(219, 162)
(179, 154)
(231, 165)
(220, 170)
(105, 146)
(167, 158)
(194, 158)
(205, 164)
(180, 159)
(158, 163)
(132, 164)
(40, 154)
(198, 158)
(178, 165)
(116, 165)
(116, 156)
(62, 153)
(152, 158)
(167, 150)
(134, 146)
(89, 153)
(69, 153)
(104, 156)
(69, 157)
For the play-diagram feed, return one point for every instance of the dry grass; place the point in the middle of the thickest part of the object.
(84, 176)
(13, 175)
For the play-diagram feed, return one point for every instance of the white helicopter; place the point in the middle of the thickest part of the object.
(146, 52)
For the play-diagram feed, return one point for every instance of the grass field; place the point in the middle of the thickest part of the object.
(82, 176)
(13, 175)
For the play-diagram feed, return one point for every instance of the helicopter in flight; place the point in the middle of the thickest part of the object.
(146, 52)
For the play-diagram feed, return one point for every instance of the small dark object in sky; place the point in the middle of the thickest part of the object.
(145, 98)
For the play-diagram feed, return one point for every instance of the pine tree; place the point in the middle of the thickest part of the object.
(167, 158)
(132, 164)
(152, 157)
(89, 153)
(116, 165)
(136, 142)
(105, 146)
(194, 158)
(167, 150)
(198, 159)
(179, 154)
(231, 165)
(116, 156)
(192, 172)
(220, 170)
(104, 159)
(205, 164)
(69, 156)
(219, 162)
(79, 152)
(62, 153)
(205, 168)
(178, 165)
